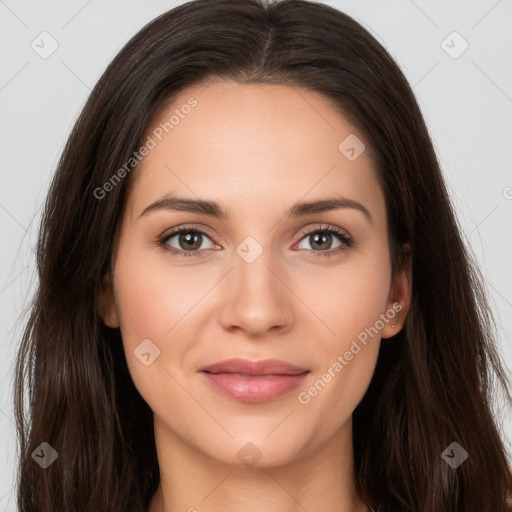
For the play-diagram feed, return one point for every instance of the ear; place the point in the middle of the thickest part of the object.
(399, 299)
(106, 302)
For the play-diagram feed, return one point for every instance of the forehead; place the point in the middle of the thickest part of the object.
(251, 145)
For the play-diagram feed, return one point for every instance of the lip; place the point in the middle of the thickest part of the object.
(254, 381)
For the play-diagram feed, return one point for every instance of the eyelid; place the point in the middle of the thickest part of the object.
(162, 239)
(343, 235)
(346, 240)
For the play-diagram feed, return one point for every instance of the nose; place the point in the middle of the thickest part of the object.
(255, 297)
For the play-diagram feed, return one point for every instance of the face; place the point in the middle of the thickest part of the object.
(265, 282)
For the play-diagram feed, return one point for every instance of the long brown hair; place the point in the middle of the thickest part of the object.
(434, 382)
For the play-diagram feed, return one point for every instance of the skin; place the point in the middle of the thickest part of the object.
(255, 149)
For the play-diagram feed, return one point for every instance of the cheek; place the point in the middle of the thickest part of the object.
(351, 297)
(153, 296)
(147, 311)
(157, 301)
(354, 298)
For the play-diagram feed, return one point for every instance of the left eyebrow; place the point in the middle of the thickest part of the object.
(325, 205)
(214, 209)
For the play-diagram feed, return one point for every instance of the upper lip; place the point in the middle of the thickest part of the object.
(246, 367)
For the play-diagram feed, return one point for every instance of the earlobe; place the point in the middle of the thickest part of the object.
(400, 295)
(395, 318)
(106, 302)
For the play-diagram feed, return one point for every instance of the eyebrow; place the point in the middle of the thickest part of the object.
(214, 209)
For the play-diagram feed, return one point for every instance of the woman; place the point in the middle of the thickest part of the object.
(191, 347)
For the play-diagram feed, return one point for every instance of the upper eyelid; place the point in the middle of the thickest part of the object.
(323, 227)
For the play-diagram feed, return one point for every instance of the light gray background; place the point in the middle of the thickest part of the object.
(467, 103)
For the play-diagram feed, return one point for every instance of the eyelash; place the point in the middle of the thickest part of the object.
(346, 241)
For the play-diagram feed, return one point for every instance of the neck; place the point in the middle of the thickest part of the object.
(321, 479)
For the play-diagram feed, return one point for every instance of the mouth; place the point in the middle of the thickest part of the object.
(253, 382)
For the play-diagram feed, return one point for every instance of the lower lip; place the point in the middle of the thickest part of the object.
(254, 389)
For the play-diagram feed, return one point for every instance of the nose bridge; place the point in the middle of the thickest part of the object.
(252, 266)
(252, 269)
(257, 298)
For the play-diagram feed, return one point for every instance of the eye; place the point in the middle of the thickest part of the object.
(190, 239)
(320, 240)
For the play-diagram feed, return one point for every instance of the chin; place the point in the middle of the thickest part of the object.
(256, 452)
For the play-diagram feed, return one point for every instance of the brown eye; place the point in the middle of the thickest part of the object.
(188, 241)
(321, 241)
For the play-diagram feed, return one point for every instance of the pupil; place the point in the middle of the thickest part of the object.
(190, 240)
(322, 236)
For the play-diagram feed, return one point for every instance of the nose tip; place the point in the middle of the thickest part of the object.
(256, 300)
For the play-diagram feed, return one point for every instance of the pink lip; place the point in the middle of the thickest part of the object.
(254, 382)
